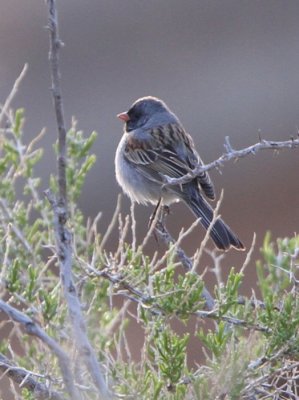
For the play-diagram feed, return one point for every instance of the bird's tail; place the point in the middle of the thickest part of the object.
(221, 234)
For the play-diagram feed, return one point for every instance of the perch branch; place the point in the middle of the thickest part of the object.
(232, 154)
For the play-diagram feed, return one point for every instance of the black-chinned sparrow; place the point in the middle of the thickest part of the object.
(154, 144)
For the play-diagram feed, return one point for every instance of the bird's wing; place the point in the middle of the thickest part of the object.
(206, 184)
(167, 150)
(156, 153)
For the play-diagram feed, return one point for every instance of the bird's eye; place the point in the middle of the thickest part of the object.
(134, 114)
(137, 117)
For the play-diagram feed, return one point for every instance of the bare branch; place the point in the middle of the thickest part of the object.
(231, 320)
(25, 379)
(217, 270)
(249, 254)
(134, 238)
(161, 230)
(10, 219)
(62, 235)
(33, 329)
(112, 223)
(147, 301)
(278, 373)
(13, 92)
(216, 216)
(55, 44)
(232, 154)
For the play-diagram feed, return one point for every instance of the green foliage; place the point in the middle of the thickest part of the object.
(79, 160)
(227, 295)
(27, 394)
(215, 340)
(172, 354)
(29, 270)
(181, 295)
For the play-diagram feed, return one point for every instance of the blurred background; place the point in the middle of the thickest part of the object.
(226, 68)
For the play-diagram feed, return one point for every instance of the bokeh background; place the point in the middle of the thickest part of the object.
(226, 67)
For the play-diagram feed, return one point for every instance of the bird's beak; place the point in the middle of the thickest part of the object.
(123, 116)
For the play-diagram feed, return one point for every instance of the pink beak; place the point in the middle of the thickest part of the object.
(123, 116)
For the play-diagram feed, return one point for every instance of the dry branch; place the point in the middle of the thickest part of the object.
(62, 234)
(131, 292)
(13, 92)
(25, 379)
(33, 329)
(163, 233)
(232, 154)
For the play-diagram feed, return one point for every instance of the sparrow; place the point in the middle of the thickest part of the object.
(154, 145)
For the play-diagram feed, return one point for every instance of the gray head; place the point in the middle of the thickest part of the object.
(147, 112)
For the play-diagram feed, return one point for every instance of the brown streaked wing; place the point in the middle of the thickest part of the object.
(193, 159)
(157, 156)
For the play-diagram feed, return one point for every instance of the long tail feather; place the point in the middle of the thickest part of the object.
(221, 233)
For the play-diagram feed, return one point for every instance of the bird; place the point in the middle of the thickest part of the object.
(154, 145)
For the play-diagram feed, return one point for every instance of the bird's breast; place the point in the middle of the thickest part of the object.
(135, 182)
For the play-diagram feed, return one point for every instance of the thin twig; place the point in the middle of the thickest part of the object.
(174, 245)
(217, 270)
(133, 227)
(231, 320)
(182, 256)
(25, 379)
(249, 254)
(33, 329)
(153, 223)
(146, 301)
(10, 218)
(112, 223)
(216, 216)
(264, 378)
(62, 235)
(232, 154)
(13, 92)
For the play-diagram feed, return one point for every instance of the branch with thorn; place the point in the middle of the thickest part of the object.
(232, 154)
